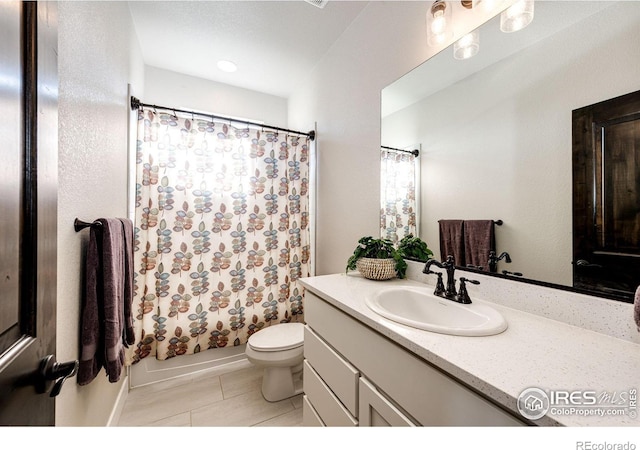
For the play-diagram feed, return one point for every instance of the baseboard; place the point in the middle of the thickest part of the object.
(114, 418)
(150, 370)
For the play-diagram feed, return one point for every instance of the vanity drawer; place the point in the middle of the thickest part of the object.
(310, 417)
(340, 376)
(330, 410)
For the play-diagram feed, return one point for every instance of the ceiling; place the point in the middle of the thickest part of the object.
(275, 44)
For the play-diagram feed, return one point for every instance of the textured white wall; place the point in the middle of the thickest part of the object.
(342, 94)
(497, 145)
(172, 89)
(98, 54)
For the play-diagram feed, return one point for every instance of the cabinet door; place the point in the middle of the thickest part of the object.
(377, 411)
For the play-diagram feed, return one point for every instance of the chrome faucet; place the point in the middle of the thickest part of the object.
(450, 267)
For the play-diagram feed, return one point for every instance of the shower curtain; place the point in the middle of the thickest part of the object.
(397, 195)
(222, 232)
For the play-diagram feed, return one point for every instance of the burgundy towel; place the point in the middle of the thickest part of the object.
(452, 241)
(636, 308)
(479, 240)
(106, 309)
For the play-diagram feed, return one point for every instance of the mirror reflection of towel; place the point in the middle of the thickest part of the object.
(452, 241)
(479, 240)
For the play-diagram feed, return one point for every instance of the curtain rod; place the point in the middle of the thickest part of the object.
(137, 104)
(415, 152)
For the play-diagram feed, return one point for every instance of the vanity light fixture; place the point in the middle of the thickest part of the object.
(517, 16)
(227, 66)
(467, 46)
(438, 23)
(486, 5)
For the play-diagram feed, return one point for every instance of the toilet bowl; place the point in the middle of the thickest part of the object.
(279, 349)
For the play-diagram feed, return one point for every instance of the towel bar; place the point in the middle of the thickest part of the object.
(497, 222)
(81, 225)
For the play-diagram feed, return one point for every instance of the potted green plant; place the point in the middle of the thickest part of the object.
(377, 259)
(414, 248)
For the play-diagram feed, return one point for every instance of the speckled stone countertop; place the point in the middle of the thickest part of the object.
(534, 351)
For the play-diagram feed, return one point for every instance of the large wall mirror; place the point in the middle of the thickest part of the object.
(496, 129)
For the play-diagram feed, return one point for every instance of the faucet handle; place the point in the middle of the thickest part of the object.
(463, 295)
(515, 274)
(439, 285)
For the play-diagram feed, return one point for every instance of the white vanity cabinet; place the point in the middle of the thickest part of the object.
(355, 376)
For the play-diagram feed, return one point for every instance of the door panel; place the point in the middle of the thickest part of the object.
(28, 216)
(620, 176)
(10, 178)
(606, 195)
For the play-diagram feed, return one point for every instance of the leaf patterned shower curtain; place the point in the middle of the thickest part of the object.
(397, 195)
(222, 233)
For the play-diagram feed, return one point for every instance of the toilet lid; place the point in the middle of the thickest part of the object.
(283, 336)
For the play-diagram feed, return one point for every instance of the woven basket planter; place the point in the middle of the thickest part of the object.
(377, 269)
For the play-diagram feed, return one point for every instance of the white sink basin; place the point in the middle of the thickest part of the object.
(417, 307)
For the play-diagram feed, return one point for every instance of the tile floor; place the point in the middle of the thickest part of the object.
(205, 400)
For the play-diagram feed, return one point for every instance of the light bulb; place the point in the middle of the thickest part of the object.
(487, 5)
(438, 23)
(517, 16)
(516, 9)
(467, 46)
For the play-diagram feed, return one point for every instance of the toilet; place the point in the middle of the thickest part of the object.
(279, 349)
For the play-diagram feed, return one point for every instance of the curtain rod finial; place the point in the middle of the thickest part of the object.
(135, 103)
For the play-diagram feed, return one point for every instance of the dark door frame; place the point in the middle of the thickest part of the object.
(25, 346)
(613, 274)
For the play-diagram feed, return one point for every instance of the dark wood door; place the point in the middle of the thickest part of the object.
(606, 196)
(28, 210)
